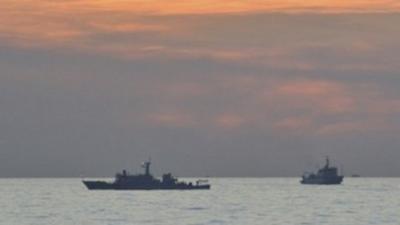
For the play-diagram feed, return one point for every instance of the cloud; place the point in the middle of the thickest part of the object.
(99, 75)
(323, 96)
(316, 107)
(229, 121)
(353, 127)
(126, 28)
(293, 124)
(171, 119)
(136, 24)
(310, 88)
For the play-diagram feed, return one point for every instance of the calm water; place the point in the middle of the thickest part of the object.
(243, 201)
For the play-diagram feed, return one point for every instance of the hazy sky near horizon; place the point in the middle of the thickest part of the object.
(244, 88)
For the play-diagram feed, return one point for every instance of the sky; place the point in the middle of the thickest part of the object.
(204, 88)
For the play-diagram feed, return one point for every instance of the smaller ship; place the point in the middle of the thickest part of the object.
(325, 175)
(146, 181)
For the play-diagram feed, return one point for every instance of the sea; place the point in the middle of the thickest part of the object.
(242, 201)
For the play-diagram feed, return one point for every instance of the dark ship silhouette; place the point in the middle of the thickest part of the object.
(146, 181)
(325, 175)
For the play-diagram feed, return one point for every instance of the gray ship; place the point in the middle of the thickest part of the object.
(146, 181)
(325, 175)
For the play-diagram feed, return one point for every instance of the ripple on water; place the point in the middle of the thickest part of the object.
(196, 208)
(231, 201)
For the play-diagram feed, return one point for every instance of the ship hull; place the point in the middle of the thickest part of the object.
(102, 185)
(323, 181)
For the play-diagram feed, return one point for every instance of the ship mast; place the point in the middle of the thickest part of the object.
(327, 162)
(146, 166)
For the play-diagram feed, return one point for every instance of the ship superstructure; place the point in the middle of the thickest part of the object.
(145, 181)
(325, 175)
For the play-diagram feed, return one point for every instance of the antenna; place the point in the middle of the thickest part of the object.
(146, 166)
(342, 169)
(327, 162)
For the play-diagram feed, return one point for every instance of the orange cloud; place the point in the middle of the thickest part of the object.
(229, 121)
(310, 88)
(353, 127)
(171, 119)
(319, 107)
(141, 28)
(233, 6)
(294, 124)
(127, 27)
(325, 96)
(43, 16)
(385, 107)
(145, 28)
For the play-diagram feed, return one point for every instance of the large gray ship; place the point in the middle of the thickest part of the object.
(146, 181)
(325, 175)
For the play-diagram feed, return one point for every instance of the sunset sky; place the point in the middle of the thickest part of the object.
(218, 88)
